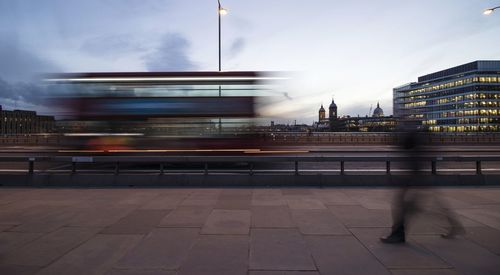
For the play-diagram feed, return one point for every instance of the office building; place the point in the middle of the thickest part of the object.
(465, 98)
(20, 122)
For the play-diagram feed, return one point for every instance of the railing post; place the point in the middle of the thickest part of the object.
(388, 167)
(31, 165)
(296, 168)
(73, 167)
(206, 168)
(162, 167)
(433, 167)
(478, 168)
(117, 168)
(251, 168)
(342, 172)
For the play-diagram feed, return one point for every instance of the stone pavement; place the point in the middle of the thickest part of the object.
(240, 231)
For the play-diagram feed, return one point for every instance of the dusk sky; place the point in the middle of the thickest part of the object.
(356, 51)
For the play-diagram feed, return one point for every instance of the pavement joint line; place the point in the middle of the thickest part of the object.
(368, 250)
(474, 205)
(430, 251)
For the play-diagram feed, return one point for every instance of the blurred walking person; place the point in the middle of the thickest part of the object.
(407, 200)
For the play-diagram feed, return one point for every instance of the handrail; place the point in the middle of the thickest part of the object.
(251, 160)
(225, 159)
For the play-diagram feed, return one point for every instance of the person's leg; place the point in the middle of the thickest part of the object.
(455, 226)
(398, 218)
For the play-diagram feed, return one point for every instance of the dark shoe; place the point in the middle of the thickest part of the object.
(393, 239)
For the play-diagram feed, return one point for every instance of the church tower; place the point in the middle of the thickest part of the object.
(332, 115)
(322, 114)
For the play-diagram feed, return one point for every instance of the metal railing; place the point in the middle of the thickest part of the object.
(207, 161)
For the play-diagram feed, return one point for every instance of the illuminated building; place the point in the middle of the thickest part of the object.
(19, 122)
(322, 114)
(326, 124)
(378, 112)
(465, 98)
(375, 123)
(332, 116)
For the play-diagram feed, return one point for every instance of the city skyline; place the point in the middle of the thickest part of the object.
(357, 52)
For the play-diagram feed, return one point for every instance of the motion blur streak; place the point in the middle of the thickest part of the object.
(164, 112)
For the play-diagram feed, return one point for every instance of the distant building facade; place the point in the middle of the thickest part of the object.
(376, 123)
(465, 98)
(20, 122)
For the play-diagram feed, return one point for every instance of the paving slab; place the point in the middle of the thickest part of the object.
(164, 248)
(49, 247)
(204, 193)
(374, 199)
(215, 255)
(47, 223)
(209, 202)
(140, 272)
(6, 227)
(12, 240)
(312, 248)
(25, 215)
(140, 197)
(319, 222)
(486, 237)
(466, 196)
(283, 273)
(227, 222)
(304, 203)
(402, 256)
(491, 194)
(296, 191)
(236, 192)
(279, 249)
(186, 216)
(268, 200)
(234, 203)
(359, 216)
(442, 271)
(334, 197)
(267, 192)
(343, 255)
(465, 256)
(99, 217)
(271, 217)
(96, 256)
(140, 221)
(489, 217)
(164, 202)
(25, 204)
(453, 201)
(18, 270)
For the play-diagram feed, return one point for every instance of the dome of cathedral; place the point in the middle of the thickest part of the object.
(378, 112)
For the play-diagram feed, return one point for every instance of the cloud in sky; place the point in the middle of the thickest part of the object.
(172, 54)
(112, 46)
(19, 63)
(359, 49)
(20, 70)
(22, 94)
(237, 46)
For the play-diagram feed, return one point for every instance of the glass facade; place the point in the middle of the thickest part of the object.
(465, 98)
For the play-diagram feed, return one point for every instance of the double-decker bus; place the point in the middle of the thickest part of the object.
(178, 112)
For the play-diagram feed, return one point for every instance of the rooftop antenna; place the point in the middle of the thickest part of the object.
(369, 112)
